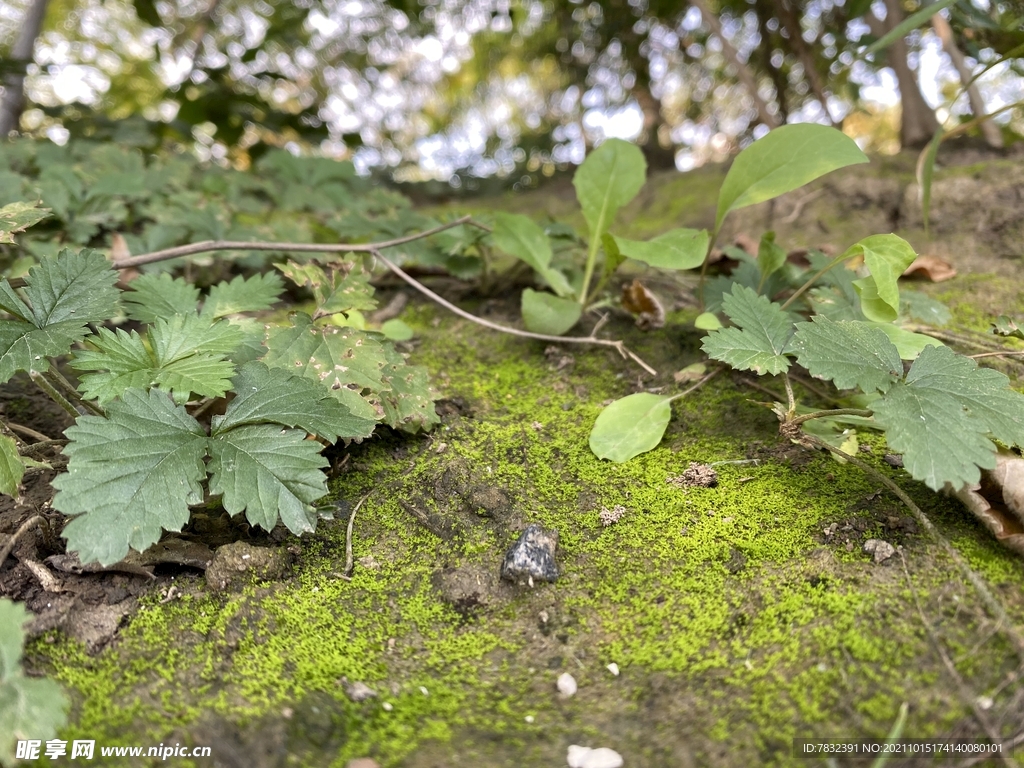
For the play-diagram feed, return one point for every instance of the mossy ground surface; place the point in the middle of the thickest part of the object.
(736, 623)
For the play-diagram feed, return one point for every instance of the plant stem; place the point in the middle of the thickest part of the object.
(349, 559)
(994, 607)
(39, 437)
(57, 397)
(814, 278)
(588, 272)
(69, 389)
(619, 346)
(797, 420)
(704, 268)
(696, 386)
(31, 522)
(789, 396)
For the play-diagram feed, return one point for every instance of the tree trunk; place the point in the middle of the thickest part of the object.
(918, 123)
(798, 44)
(743, 72)
(13, 103)
(657, 156)
(989, 130)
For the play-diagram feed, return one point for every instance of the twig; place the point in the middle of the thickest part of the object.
(1007, 353)
(57, 397)
(962, 689)
(422, 517)
(390, 310)
(349, 562)
(761, 388)
(34, 448)
(30, 523)
(863, 412)
(698, 385)
(798, 208)
(619, 346)
(237, 245)
(27, 432)
(995, 608)
(54, 376)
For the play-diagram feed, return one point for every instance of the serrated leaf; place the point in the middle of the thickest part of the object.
(942, 418)
(408, 401)
(130, 475)
(12, 469)
(759, 341)
(24, 347)
(886, 257)
(923, 308)
(276, 396)
(908, 343)
(270, 473)
(1006, 326)
(783, 160)
(30, 708)
(675, 249)
(347, 362)
(848, 353)
(11, 303)
(608, 179)
(17, 217)
(242, 294)
(630, 426)
(73, 286)
(179, 336)
(549, 314)
(158, 295)
(343, 286)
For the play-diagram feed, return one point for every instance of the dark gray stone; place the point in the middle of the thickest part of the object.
(532, 556)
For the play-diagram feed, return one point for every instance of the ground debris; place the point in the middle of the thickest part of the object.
(585, 757)
(532, 557)
(611, 516)
(882, 550)
(696, 476)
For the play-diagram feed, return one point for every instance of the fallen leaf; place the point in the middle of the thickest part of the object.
(998, 501)
(930, 268)
(690, 373)
(638, 300)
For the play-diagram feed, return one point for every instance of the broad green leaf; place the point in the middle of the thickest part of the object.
(847, 353)
(944, 416)
(347, 362)
(707, 321)
(886, 257)
(179, 336)
(630, 426)
(243, 294)
(17, 217)
(30, 708)
(24, 347)
(521, 237)
(11, 303)
(270, 473)
(12, 469)
(608, 179)
(158, 295)
(760, 340)
(73, 286)
(925, 173)
(397, 330)
(340, 287)
(408, 401)
(130, 475)
(676, 249)
(770, 255)
(923, 308)
(784, 160)
(908, 343)
(545, 313)
(265, 396)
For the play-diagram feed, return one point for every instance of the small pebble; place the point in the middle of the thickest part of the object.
(532, 556)
(985, 703)
(613, 668)
(528, 718)
(360, 692)
(566, 684)
(362, 762)
(882, 550)
(585, 757)
(424, 690)
(387, 706)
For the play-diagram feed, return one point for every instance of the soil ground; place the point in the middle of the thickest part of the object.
(740, 616)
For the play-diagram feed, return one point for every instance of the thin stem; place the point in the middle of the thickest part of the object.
(260, 245)
(588, 273)
(797, 420)
(619, 346)
(349, 559)
(995, 608)
(69, 389)
(1008, 353)
(57, 397)
(789, 396)
(204, 406)
(814, 278)
(696, 386)
(704, 268)
(39, 437)
(36, 448)
(31, 522)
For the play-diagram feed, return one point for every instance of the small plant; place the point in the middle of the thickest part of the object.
(30, 708)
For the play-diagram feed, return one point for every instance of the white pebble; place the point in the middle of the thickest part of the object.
(528, 718)
(387, 706)
(585, 757)
(424, 690)
(566, 684)
(613, 668)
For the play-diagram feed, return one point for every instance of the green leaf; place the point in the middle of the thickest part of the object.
(243, 295)
(73, 286)
(12, 469)
(270, 473)
(770, 256)
(760, 340)
(848, 353)
(519, 236)
(630, 426)
(925, 173)
(608, 179)
(923, 308)
(17, 217)
(179, 336)
(343, 286)
(1006, 326)
(397, 330)
(30, 708)
(158, 295)
(265, 396)
(408, 401)
(908, 25)
(944, 416)
(707, 321)
(908, 343)
(676, 249)
(886, 257)
(784, 160)
(130, 475)
(545, 313)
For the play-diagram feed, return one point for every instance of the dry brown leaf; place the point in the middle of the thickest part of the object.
(998, 501)
(639, 301)
(119, 250)
(930, 268)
